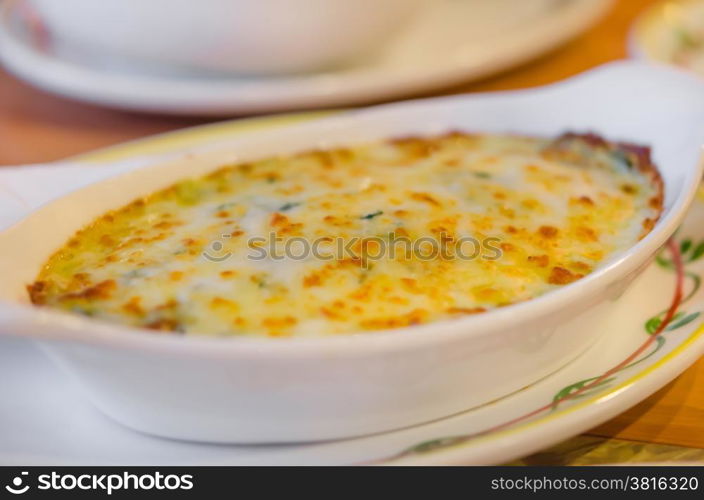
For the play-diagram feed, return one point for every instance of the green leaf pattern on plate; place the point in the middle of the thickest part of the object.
(690, 251)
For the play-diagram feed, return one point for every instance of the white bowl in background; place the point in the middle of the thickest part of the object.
(257, 390)
(259, 37)
(445, 46)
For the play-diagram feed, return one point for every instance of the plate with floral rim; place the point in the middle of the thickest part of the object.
(656, 334)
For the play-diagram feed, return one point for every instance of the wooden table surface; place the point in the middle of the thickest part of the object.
(37, 127)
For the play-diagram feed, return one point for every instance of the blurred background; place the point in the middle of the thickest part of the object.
(79, 74)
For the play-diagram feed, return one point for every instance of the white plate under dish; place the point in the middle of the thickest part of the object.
(46, 420)
(454, 41)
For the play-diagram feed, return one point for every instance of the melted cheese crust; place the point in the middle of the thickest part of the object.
(545, 213)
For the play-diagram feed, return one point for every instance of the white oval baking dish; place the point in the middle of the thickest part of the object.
(253, 390)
